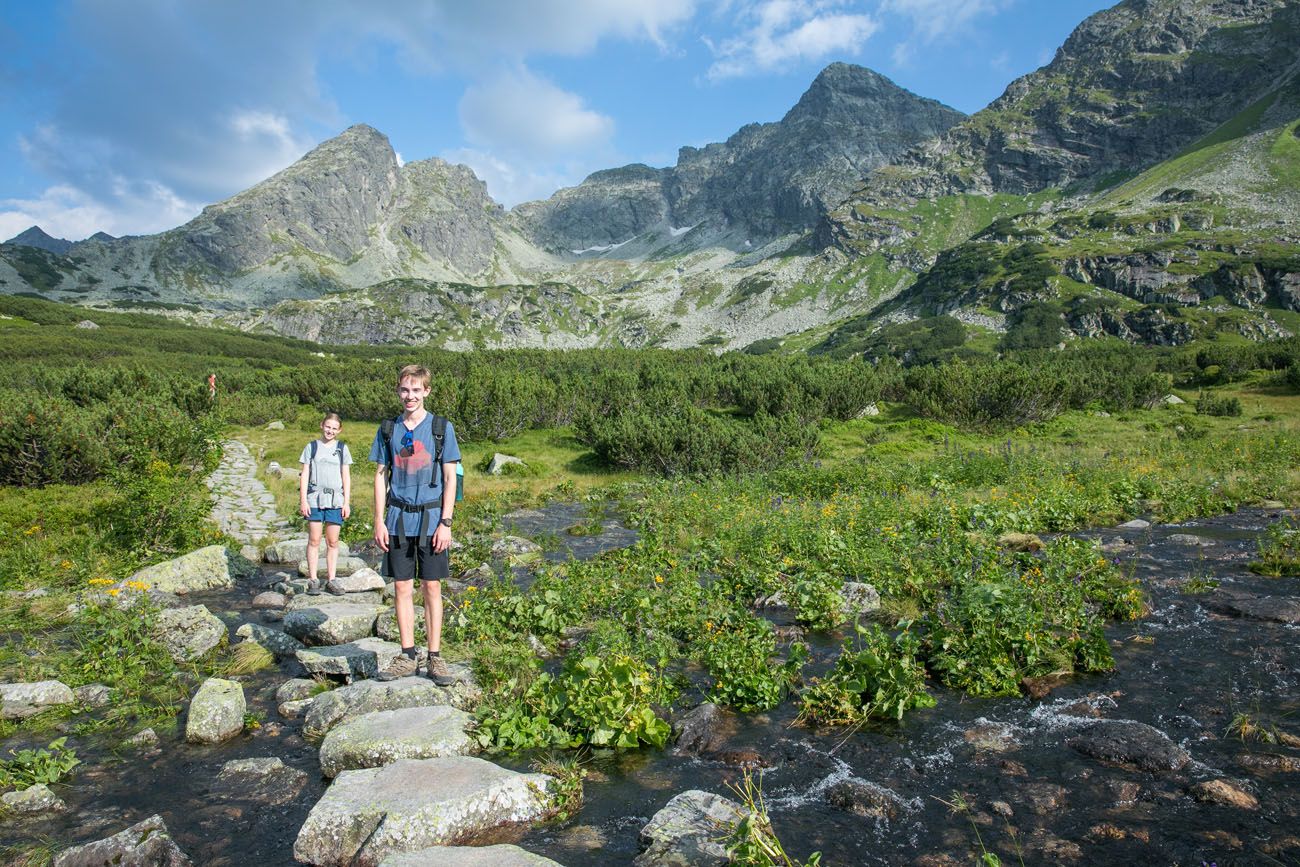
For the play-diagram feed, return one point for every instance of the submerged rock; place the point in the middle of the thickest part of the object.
(266, 781)
(216, 713)
(144, 844)
(368, 815)
(699, 730)
(210, 568)
(1189, 539)
(1132, 744)
(383, 737)
(34, 799)
(499, 855)
(190, 633)
(21, 700)
(1271, 609)
(93, 695)
(329, 623)
(688, 829)
(1225, 793)
(866, 799)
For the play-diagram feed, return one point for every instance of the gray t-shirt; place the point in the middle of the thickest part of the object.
(325, 474)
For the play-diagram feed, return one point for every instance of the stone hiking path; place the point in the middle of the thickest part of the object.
(244, 508)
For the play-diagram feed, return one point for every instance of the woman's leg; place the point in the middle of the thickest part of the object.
(331, 550)
(313, 548)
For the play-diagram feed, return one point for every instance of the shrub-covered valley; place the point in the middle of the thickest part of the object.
(858, 550)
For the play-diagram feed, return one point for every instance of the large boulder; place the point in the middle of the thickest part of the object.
(280, 645)
(859, 599)
(210, 568)
(21, 700)
(263, 781)
(383, 737)
(216, 713)
(498, 855)
(1131, 744)
(687, 831)
(1270, 609)
(368, 815)
(367, 696)
(499, 463)
(191, 633)
(144, 844)
(332, 622)
(365, 657)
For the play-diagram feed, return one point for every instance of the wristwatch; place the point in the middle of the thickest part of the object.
(446, 522)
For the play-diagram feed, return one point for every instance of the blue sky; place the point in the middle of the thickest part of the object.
(130, 116)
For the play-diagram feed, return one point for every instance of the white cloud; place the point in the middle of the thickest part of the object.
(936, 19)
(66, 212)
(517, 111)
(782, 32)
(519, 180)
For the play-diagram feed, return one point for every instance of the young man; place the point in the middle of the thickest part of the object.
(414, 500)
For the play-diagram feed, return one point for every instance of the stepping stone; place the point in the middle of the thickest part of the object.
(32, 800)
(295, 550)
(190, 633)
(302, 599)
(1131, 744)
(381, 738)
(332, 622)
(357, 582)
(345, 566)
(144, 843)
(216, 713)
(356, 659)
(499, 855)
(688, 829)
(337, 706)
(368, 815)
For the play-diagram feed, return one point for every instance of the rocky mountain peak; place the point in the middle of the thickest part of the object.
(38, 237)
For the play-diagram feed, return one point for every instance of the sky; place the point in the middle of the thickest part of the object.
(129, 116)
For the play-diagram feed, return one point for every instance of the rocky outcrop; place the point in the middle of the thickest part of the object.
(191, 633)
(368, 815)
(146, 844)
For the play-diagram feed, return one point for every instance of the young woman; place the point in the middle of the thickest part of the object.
(325, 496)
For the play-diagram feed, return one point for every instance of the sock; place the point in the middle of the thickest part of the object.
(409, 652)
(434, 653)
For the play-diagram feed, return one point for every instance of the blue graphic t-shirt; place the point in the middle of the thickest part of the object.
(415, 480)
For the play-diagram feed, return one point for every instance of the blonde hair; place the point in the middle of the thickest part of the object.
(417, 372)
(332, 416)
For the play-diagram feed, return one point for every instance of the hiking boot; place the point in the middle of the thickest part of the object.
(402, 666)
(439, 673)
(332, 590)
(313, 586)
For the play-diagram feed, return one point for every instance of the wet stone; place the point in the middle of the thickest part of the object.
(990, 737)
(1043, 798)
(280, 645)
(145, 739)
(1269, 763)
(216, 713)
(1273, 609)
(699, 730)
(32, 800)
(356, 659)
(1135, 524)
(263, 780)
(296, 689)
(357, 582)
(498, 855)
(1131, 744)
(1189, 540)
(144, 844)
(1224, 792)
(866, 799)
(687, 831)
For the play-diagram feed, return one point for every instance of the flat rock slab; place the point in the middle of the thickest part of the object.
(357, 582)
(270, 600)
(216, 713)
(500, 855)
(279, 644)
(688, 829)
(381, 738)
(144, 844)
(1131, 744)
(295, 550)
(264, 781)
(21, 700)
(368, 815)
(345, 567)
(314, 600)
(210, 568)
(1189, 539)
(332, 622)
(190, 633)
(32, 800)
(1270, 609)
(348, 702)
(356, 659)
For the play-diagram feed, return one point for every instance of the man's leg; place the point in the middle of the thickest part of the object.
(434, 568)
(433, 614)
(400, 564)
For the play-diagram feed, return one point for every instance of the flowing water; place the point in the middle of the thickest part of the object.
(1183, 670)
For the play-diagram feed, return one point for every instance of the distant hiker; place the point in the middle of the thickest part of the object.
(212, 386)
(415, 495)
(325, 496)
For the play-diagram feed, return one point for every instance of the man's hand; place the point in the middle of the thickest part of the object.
(441, 539)
(381, 536)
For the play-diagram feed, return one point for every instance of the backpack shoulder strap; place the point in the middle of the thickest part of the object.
(439, 426)
(386, 428)
(311, 467)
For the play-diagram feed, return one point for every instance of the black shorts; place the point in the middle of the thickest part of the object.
(406, 560)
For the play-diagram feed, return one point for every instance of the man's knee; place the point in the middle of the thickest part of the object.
(333, 544)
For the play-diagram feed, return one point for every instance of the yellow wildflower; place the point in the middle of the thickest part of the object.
(137, 585)
(66, 564)
(471, 589)
(113, 591)
(659, 579)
